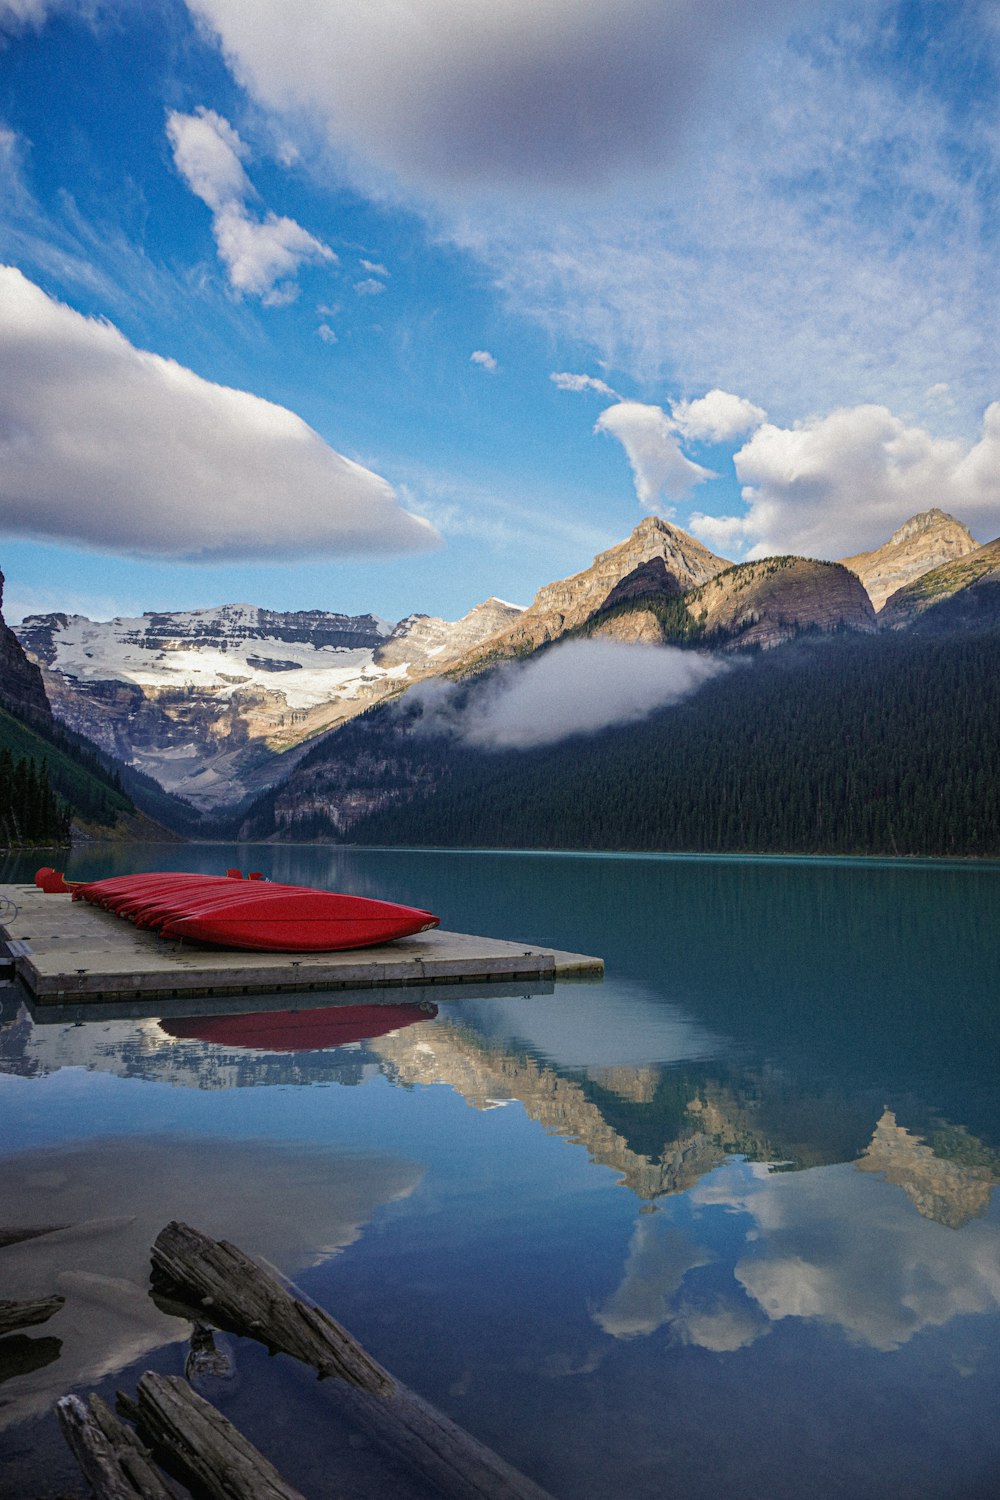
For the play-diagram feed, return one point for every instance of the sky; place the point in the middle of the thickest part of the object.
(389, 306)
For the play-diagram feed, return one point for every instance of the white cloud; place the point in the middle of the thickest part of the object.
(717, 417)
(579, 687)
(567, 382)
(835, 485)
(375, 267)
(483, 359)
(479, 95)
(662, 474)
(258, 253)
(751, 197)
(326, 333)
(369, 287)
(106, 444)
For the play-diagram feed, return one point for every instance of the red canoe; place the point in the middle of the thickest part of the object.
(233, 913)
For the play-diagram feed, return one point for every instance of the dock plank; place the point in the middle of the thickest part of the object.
(68, 950)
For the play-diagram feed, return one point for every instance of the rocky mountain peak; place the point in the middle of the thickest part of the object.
(924, 542)
(924, 521)
(559, 606)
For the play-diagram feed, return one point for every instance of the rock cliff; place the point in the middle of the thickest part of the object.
(753, 605)
(569, 602)
(22, 692)
(762, 604)
(926, 541)
(958, 595)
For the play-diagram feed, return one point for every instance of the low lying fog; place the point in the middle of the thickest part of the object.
(576, 688)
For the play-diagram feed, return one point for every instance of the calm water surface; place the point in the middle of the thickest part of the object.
(723, 1224)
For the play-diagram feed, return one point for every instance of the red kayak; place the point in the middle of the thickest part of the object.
(235, 913)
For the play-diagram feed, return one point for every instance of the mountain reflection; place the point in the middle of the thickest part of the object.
(662, 1127)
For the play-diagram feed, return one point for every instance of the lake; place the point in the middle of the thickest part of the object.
(723, 1224)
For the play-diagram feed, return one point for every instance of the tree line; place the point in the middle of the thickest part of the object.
(30, 811)
(869, 745)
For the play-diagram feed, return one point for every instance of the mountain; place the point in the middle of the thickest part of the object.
(959, 595)
(237, 703)
(22, 691)
(926, 541)
(216, 703)
(49, 777)
(748, 605)
(569, 602)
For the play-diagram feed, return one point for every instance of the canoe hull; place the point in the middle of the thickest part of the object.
(255, 915)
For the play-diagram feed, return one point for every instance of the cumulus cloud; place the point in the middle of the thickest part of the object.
(717, 417)
(370, 286)
(661, 472)
(835, 485)
(106, 444)
(478, 95)
(484, 359)
(567, 382)
(260, 255)
(579, 687)
(375, 267)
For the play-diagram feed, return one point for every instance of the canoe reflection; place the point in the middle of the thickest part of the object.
(299, 1030)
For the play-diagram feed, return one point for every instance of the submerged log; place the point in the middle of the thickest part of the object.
(114, 1461)
(21, 1232)
(27, 1314)
(219, 1283)
(210, 1453)
(20, 1355)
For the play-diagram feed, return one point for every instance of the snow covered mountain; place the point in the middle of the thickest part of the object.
(215, 703)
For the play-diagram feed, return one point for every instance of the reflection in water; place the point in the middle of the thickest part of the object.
(755, 1168)
(824, 1245)
(295, 1206)
(299, 1030)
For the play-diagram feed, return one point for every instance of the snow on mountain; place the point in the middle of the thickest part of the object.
(206, 700)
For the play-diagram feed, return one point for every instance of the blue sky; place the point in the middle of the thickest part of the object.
(391, 307)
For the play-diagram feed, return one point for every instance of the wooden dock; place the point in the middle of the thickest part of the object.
(68, 951)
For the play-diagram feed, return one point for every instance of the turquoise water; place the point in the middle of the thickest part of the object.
(725, 1223)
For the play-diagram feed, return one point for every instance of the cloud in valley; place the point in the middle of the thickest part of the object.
(837, 484)
(261, 255)
(661, 472)
(109, 445)
(579, 687)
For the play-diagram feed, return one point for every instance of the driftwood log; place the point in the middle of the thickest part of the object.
(232, 1290)
(212, 1455)
(218, 1283)
(27, 1314)
(115, 1463)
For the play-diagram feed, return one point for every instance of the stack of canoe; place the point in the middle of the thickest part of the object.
(235, 913)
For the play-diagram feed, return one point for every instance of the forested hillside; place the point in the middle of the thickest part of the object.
(868, 745)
